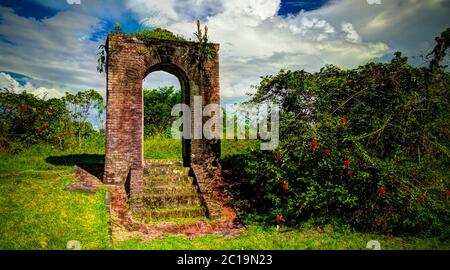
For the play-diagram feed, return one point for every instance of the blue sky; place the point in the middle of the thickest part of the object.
(49, 46)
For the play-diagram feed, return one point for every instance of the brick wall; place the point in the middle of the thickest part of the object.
(129, 61)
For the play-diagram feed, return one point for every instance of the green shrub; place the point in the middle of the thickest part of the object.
(368, 147)
(158, 33)
(27, 120)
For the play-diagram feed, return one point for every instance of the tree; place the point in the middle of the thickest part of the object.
(81, 106)
(158, 105)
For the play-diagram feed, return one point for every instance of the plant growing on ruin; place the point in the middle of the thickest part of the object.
(205, 50)
(158, 33)
(117, 27)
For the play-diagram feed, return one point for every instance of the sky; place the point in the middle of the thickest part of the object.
(48, 47)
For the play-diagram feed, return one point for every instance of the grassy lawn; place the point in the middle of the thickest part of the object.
(36, 212)
(258, 237)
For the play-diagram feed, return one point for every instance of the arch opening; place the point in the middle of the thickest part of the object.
(129, 61)
(166, 85)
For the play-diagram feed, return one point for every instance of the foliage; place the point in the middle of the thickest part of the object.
(369, 147)
(439, 52)
(160, 146)
(27, 120)
(117, 27)
(80, 107)
(158, 33)
(158, 104)
(204, 49)
(257, 237)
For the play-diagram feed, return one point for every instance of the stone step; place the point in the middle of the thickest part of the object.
(166, 163)
(170, 189)
(177, 221)
(156, 180)
(166, 170)
(170, 193)
(179, 212)
(171, 201)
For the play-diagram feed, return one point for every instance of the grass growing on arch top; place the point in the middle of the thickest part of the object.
(158, 33)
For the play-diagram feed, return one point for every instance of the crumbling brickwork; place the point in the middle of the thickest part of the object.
(129, 61)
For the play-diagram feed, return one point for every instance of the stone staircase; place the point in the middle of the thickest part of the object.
(170, 195)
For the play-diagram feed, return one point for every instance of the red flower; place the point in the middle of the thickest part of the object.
(346, 163)
(327, 152)
(278, 157)
(344, 120)
(261, 189)
(381, 191)
(447, 194)
(376, 222)
(282, 181)
(279, 218)
(349, 173)
(421, 198)
(285, 187)
(314, 145)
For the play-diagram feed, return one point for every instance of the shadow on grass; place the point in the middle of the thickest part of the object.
(237, 183)
(92, 163)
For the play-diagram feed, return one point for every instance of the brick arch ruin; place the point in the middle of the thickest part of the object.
(130, 60)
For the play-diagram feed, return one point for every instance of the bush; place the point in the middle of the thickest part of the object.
(158, 33)
(26, 120)
(369, 147)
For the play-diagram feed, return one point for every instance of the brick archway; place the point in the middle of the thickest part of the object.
(129, 61)
(185, 99)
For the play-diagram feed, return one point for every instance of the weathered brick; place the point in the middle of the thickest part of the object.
(129, 61)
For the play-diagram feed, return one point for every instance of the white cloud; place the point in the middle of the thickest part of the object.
(52, 51)
(351, 34)
(406, 25)
(161, 13)
(255, 41)
(11, 84)
(345, 33)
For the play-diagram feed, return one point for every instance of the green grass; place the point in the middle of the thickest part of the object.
(44, 157)
(160, 147)
(36, 212)
(257, 237)
(158, 33)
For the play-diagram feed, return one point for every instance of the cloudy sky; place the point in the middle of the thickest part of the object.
(50, 46)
